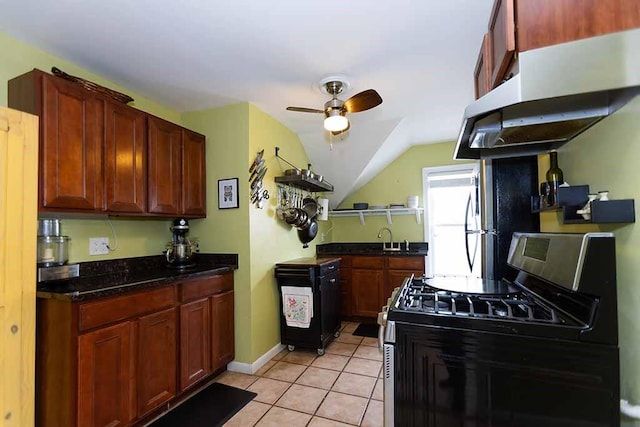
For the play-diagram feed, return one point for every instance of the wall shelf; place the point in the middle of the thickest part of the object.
(611, 211)
(379, 212)
(572, 199)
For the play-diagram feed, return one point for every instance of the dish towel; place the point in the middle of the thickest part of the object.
(297, 306)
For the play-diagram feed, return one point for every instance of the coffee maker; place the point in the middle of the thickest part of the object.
(181, 251)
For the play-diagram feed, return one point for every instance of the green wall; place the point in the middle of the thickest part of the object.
(135, 237)
(606, 158)
(400, 179)
(235, 134)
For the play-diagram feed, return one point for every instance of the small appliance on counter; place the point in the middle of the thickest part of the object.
(181, 251)
(53, 253)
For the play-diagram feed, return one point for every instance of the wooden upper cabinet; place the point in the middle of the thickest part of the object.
(101, 156)
(176, 171)
(70, 158)
(501, 39)
(125, 154)
(568, 20)
(165, 166)
(482, 73)
(521, 25)
(194, 190)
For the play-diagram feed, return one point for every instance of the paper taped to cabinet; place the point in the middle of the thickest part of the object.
(297, 306)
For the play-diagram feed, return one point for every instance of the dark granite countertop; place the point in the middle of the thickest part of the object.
(415, 249)
(112, 277)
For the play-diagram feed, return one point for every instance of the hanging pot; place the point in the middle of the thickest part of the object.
(309, 233)
(310, 206)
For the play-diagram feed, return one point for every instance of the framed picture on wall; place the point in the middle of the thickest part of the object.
(228, 193)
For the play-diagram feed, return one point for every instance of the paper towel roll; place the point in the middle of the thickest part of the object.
(323, 207)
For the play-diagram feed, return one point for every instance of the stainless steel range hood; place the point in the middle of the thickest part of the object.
(559, 92)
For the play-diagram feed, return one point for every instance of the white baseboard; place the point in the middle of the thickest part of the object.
(252, 368)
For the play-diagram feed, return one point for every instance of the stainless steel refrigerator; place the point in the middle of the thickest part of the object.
(498, 205)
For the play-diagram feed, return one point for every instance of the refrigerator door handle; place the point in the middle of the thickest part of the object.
(467, 233)
(481, 232)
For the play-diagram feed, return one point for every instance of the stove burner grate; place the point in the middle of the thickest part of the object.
(517, 306)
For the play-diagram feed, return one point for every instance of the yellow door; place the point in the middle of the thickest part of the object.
(18, 219)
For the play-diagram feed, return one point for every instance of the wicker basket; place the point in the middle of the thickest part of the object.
(121, 97)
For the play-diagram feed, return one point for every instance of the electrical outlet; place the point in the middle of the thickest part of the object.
(98, 245)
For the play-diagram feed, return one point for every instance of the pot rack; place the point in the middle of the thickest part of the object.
(302, 181)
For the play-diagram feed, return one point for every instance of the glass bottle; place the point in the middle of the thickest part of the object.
(555, 178)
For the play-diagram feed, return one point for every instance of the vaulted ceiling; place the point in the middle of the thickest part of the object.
(196, 54)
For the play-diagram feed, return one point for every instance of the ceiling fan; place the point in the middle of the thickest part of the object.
(335, 110)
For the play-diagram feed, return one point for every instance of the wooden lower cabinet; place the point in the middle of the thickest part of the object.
(105, 371)
(222, 337)
(115, 361)
(156, 360)
(366, 282)
(195, 342)
(366, 291)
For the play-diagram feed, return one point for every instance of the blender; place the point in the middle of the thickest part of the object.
(181, 251)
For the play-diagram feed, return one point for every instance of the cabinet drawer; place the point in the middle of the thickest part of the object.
(374, 262)
(329, 268)
(406, 263)
(202, 287)
(111, 310)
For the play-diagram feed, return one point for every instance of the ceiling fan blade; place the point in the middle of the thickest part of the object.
(362, 101)
(336, 133)
(305, 110)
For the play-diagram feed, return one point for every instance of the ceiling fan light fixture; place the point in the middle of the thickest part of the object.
(335, 122)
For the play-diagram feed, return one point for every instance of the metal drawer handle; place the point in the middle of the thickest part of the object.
(332, 281)
(332, 267)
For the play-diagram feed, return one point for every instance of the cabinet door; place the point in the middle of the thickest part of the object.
(367, 287)
(222, 338)
(194, 189)
(195, 342)
(330, 304)
(105, 372)
(125, 151)
(70, 147)
(165, 166)
(482, 73)
(547, 22)
(502, 39)
(156, 373)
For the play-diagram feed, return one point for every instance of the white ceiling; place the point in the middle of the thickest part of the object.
(195, 54)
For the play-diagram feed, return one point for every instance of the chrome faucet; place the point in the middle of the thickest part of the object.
(384, 245)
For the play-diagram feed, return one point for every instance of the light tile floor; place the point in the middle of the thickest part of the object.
(300, 388)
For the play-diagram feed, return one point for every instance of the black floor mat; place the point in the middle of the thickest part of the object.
(212, 407)
(367, 330)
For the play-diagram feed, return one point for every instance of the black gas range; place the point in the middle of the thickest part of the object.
(538, 350)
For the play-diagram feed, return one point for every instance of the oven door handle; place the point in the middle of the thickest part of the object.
(382, 321)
